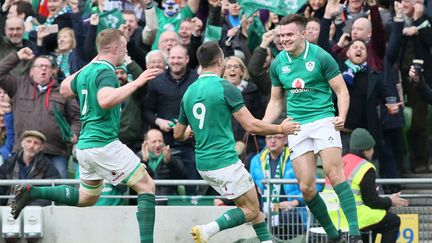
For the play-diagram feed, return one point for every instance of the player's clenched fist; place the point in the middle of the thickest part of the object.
(338, 122)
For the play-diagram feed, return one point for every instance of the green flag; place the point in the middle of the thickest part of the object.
(255, 32)
(111, 19)
(65, 129)
(87, 9)
(279, 7)
(212, 33)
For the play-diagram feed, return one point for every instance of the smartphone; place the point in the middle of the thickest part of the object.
(53, 28)
(418, 66)
(348, 38)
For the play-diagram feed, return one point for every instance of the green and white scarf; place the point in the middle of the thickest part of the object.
(154, 160)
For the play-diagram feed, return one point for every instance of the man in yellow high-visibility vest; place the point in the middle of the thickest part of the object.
(372, 210)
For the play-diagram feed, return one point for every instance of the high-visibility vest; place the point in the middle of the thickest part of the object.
(354, 169)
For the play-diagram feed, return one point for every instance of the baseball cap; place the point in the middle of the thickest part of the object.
(34, 133)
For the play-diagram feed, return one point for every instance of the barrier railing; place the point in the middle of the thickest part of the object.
(53, 182)
(284, 233)
(291, 224)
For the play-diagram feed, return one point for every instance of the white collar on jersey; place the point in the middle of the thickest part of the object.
(306, 52)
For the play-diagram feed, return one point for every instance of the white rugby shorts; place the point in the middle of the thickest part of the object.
(231, 181)
(113, 162)
(314, 136)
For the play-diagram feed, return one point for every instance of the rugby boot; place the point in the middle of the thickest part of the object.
(199, 235)
(22, 197)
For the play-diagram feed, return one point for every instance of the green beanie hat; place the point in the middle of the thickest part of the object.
(124, 67)
(361, 139)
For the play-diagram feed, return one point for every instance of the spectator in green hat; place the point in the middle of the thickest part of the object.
(372, 209)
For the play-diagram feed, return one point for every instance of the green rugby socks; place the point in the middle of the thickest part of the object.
(231, 218)
(262, 232)
(319, 209)
(146, 216)
(67, 195)
(348, 205)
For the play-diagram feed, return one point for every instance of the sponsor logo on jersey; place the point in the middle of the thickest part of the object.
(298, 86)
(298, 83)
(286, 69)
(310, 66)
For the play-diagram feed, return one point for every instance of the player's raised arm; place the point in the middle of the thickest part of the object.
(108, 96)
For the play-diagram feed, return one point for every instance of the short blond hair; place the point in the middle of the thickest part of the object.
(243, 67)
(107, 37)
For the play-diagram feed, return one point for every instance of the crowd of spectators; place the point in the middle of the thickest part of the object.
(374, 41)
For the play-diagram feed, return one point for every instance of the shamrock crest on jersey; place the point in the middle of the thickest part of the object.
(310, 66)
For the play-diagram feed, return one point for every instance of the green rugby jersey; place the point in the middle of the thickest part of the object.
(99, 127)
(207, 106)
(305, 81)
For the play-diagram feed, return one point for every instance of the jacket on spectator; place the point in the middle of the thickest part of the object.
(166, 171)
(42, 168)
(390, 76)
(417, 47)
(424, 90)
(376, 91)
(6, 149)
(422, 44)
(258, 173)
(164, 96)
(6, 47)
(34, 110)
(259, 76)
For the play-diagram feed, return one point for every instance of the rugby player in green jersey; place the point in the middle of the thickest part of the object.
(306, 75)
(99, 152)
(207, 106)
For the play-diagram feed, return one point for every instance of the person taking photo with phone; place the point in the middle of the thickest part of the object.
(418, 80)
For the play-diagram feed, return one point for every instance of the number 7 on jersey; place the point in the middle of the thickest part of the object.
(84, 109)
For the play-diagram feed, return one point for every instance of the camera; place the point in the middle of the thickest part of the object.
(418, 66)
